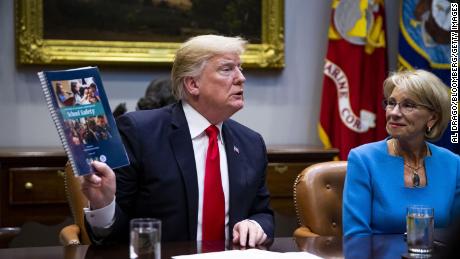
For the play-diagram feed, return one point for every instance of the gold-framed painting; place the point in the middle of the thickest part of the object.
(51, 32)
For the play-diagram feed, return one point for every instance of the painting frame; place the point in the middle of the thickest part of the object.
(32, 48)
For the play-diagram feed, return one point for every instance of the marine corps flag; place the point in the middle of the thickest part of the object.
(354, 71)
(424, 43)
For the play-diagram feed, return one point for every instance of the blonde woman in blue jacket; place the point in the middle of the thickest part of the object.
(385, 177)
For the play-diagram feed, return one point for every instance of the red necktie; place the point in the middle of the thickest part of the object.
(213, 227)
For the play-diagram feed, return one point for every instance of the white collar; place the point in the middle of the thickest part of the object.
(197, 124)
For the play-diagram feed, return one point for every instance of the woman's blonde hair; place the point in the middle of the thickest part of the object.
(193, 54)
(429, 90)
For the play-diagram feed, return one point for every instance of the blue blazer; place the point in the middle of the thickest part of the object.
(161, 181)
(375, 198)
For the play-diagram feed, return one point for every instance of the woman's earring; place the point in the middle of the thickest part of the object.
(429, 129)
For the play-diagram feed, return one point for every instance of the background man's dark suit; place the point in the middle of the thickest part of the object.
(161, 181)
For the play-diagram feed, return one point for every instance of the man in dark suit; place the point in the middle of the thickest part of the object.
(198, 171)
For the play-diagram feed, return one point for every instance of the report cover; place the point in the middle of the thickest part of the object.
(80, 110)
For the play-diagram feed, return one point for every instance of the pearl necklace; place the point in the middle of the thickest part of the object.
(415, 175)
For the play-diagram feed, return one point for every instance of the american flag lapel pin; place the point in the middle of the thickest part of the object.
(236, 149)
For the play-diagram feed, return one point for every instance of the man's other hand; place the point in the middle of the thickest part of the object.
(248, 233)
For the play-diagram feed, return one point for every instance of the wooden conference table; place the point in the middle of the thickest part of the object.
(378, 246)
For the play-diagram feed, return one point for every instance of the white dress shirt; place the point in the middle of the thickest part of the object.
(197, 125)
(101, 219)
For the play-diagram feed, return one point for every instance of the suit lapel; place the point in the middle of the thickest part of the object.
(236, 171)
(182, 147)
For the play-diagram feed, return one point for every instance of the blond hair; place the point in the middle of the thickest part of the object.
(193, 54)
(429, 90)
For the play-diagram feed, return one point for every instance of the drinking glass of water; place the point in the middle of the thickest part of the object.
(420, 228)
(145, 238)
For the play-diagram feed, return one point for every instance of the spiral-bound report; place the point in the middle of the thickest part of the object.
(81, 113)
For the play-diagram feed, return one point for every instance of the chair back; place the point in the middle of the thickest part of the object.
(318, 197)
(77, 201)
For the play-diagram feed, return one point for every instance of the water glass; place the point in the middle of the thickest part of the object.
(420, 229)
(145, 238)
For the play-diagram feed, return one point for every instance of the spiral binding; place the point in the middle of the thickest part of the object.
(56, 119)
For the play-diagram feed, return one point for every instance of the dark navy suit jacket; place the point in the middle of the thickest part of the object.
(161, 181)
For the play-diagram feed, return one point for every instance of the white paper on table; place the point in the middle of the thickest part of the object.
(249, 254)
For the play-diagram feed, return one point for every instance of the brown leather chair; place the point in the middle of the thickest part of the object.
(318, 199)
(7, 234)
(76, 233)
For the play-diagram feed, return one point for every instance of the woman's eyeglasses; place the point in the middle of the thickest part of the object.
(404, 106)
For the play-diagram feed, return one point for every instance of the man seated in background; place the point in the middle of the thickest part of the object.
(198, 171)
(158, 94)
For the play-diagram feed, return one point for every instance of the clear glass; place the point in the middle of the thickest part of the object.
(420, 228)
(145, 238)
